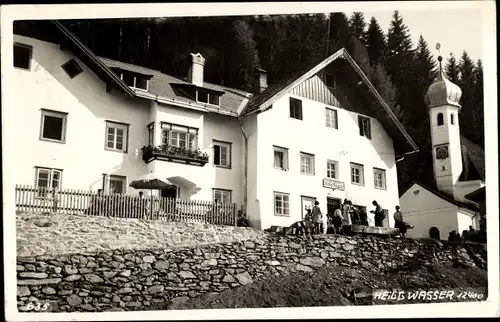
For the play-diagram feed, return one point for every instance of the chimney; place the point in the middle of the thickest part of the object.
(195, 74)
(260, 81)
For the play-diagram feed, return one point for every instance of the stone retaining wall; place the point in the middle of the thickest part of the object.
(141, 280)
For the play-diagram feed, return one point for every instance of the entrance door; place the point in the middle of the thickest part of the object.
(170, 192)
(168, 196)
(332, 204)
(307, 203)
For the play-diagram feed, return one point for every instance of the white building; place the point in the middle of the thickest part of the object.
(459, 170)
(93, 123)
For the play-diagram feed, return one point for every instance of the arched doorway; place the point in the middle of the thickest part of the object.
(434, 233)
(170, 192)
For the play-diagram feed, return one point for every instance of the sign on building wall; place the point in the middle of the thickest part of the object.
(333, 184)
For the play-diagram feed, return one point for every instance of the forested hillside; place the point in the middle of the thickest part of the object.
(282, 44)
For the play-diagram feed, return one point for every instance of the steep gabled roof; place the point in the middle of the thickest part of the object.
(90, 59)
(403, 143)
(444, 196)
(473, 160)
(477, 195)
(160, 85)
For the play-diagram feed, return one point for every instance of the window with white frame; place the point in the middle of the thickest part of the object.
(222, 196)
(280, 158)
(53, 126)
(379, 178)
(135, 80)
(357, 174)
(222, 154)
(306, 163)
(295, 108)
(331, 118)
(364, 126)
(281, 204)
(116, 136)
(22, 56)
(207, 97)
(179, 136)
(47, 178)
(331, 169)
(117, 184)
(151, 134)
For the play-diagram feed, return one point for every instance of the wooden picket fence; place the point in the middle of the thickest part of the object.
(69, 201)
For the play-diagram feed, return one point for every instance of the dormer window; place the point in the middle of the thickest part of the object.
(133, 80)
(207, 97)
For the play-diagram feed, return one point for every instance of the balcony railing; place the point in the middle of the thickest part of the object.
(174, 154)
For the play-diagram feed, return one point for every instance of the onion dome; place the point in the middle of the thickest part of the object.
(443, 91)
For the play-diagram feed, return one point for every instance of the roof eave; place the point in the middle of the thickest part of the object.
(338, 54)
(381, 101)
(96, 62)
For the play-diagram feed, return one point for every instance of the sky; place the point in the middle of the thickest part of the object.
(455, 29)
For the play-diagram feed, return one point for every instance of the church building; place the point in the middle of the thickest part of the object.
(459, 170)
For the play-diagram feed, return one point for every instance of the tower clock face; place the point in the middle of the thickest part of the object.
(442, 153)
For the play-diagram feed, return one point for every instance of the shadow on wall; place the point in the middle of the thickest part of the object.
(88, 90)
(253, 216)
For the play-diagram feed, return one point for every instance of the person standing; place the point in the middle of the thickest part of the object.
(399, 223)
(337, 221)
(308, 223)
(346, 211)
(379, 214)
(317, 217)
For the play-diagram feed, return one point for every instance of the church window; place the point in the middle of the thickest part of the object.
(440, 119)
(452, 118)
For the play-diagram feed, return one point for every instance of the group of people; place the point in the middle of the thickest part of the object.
(466, 235)
(315, 223)
(350, 214)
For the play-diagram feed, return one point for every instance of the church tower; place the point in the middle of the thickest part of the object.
(443, 98)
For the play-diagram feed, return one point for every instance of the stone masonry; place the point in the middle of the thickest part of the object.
(127, 280)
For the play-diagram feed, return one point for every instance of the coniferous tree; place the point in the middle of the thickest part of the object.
(451, 69)
(399, 49)
(340, 32)
(245, 57)
(467, 116)
(360, 55)
(401, 67)
(425, 71)
(377, 76)
(375, 42)
(426, 63)
(478, 103)
(358, 25)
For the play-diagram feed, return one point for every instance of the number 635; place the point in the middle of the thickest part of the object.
(38, 306)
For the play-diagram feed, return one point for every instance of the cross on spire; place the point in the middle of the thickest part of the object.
(440, 58)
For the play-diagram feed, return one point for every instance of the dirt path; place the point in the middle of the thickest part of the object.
(334, 285)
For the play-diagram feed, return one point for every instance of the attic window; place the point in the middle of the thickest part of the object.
(329, 81)
(72, 68)
(207, 97)
(364, 126)
(22, 56)
(135, 80)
